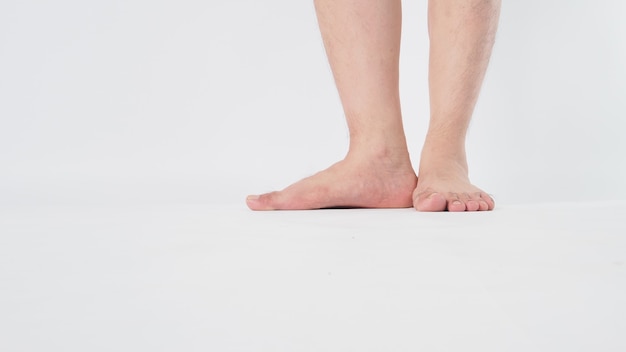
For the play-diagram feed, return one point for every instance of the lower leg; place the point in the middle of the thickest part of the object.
(462, 33)
(362, 41)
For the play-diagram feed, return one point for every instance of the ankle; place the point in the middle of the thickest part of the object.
(380, 154)
(443, 167)
(441, 156)
(444, 146)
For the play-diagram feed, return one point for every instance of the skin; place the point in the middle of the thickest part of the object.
(362, 41)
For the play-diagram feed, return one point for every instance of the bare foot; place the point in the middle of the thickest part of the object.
(353, 182)
(444, 185)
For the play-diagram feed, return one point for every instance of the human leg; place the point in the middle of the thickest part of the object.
(362, 41)
(462, 33)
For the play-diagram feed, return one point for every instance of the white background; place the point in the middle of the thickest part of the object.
(206, 101)
(105, 103)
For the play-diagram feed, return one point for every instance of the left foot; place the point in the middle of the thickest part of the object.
(443, 184)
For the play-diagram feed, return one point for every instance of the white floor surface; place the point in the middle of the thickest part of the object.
(218, 279)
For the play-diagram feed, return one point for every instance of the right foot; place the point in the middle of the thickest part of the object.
(351, 183)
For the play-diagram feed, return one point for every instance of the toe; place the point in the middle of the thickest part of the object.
(472, 205)
(261, 202)
(488, 200)
(472, 201)
(253, 201)
(454, 203)
(430, 201)
(482, 205)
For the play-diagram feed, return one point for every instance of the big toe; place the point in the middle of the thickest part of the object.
(430, 202)
(261, 202)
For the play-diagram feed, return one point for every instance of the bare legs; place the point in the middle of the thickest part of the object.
(362, 40)
(461, 37)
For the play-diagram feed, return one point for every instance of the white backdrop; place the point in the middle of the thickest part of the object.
(206, 101)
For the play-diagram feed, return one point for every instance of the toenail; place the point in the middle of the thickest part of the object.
(252, 197)
(456, 202)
